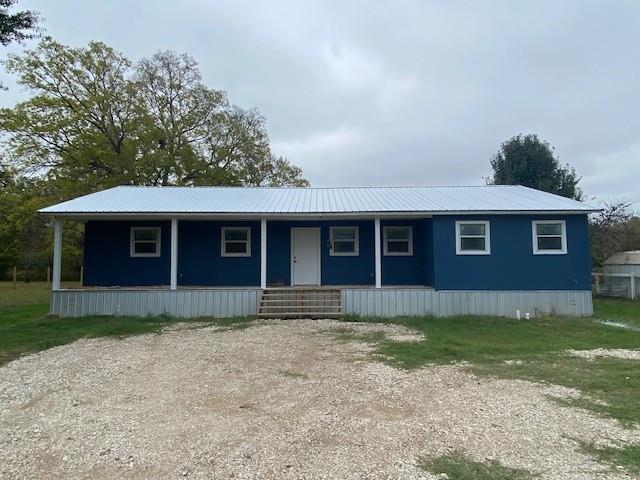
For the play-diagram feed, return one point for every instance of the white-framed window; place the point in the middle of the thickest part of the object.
(398, 241)
(473, 237)
(549, 237)
(144, 242)
(345, 241)
(236, 242)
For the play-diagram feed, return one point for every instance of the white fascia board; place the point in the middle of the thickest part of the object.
(296, 216)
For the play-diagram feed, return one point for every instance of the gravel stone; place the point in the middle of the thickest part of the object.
(214, 403)
(622, 353)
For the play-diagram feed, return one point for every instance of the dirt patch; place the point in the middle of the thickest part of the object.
(200, 403)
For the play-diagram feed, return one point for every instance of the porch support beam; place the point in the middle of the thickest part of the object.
(174, 253)
(263, 253)
(378, 255)
(57, 253)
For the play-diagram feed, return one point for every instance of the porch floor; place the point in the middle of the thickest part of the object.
(248, 287)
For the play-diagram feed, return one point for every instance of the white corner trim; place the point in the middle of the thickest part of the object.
(378, 253)
(263, 253)
(486, 236)
(57, 253)
(158, 241)
(534, 233)
(174, 254)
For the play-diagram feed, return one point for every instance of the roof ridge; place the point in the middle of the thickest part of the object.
(251, 187)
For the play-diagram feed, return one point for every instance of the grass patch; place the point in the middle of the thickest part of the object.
(350, 334)
(290, 374)
(617, 309)
(27, 329)
(626, 456)
(612, 385)
(458, 466)
(495, 339)
(32, 293)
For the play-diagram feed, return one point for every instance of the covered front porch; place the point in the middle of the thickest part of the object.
(226, 253)
(222, 267)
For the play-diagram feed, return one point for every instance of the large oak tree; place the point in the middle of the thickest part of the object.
(97, 118)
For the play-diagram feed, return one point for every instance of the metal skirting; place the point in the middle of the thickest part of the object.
(389, 302)
(383, 302)
(219, 303)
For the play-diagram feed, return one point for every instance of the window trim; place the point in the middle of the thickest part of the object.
(535, 236)
(385, 246)
(486, 236)
(223, 242)
(356, 247)
(133, 241)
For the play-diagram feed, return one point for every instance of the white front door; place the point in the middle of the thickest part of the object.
(305, 256)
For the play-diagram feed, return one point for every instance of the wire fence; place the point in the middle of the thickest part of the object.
(44, 274)
(624, 285)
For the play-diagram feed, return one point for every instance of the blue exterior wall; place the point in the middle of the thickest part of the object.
(200, 261)
(512, 264)
(416, 269)
(360, 270)
(338, 270)
(107, 261)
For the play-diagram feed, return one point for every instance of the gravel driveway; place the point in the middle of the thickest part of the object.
(281, 399)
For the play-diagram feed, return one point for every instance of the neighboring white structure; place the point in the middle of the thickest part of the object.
(621, 273)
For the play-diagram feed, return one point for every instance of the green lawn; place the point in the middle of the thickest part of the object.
(618, 310)
(32, 293)
(26, 328)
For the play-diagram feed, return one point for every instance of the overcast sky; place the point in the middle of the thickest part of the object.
(403, 92)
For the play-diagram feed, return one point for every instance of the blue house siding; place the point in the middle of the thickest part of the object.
(335, 270)
(416, 269)
(200, 261)
(107, 261)
(511, 264)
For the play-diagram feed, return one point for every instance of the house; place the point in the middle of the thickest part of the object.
(380, 251)
(621, 275)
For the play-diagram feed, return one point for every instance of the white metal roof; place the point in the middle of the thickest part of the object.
(271, 201)
(632, 257)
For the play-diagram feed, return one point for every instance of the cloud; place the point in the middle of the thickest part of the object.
(409, 92)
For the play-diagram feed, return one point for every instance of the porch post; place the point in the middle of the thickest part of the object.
(57, 253)
(378, 253)
(263, 253)
(174, 253)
